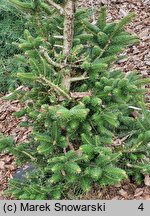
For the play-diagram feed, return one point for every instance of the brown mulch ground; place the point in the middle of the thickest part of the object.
(124, 191)
(138, 59)
(9, 125)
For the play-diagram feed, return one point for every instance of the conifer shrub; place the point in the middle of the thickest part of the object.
(77, 104)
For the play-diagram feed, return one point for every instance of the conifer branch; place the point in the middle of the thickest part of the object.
(67, 80)
(80, 94)
(59, 46)
(136, 108)
(26, 153)
(49, 60)
(75, 79)
(120, 25)
(58, 36)
(134, 148)
(133, 166)
(24, 6)
(55, 87)
(57, 6)
(105, 48)
(69, 144)
(30, 156)
(94, 19)
(11, 93)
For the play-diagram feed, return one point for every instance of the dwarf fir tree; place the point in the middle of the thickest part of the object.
(77, 104)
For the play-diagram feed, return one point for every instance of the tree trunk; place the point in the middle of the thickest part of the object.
(68, 26)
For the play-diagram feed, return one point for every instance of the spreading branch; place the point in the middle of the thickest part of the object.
(75, 79)
(58, 36)
(67, 80)
(54, 87)
(57, 6)
(44, 52)
(136, 108)
(17, 89)
(77, 95)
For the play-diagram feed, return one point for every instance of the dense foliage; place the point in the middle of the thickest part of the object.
(78, 107)
(11, 28)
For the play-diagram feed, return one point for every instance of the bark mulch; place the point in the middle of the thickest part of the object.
(124, 191)
(9, 125)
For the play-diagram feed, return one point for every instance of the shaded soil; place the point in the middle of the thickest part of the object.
(138, 59)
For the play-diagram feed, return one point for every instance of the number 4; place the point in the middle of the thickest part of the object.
(141, 207)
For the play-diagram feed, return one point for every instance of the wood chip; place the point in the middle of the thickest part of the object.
(138, 192)
(123, 193)
(147, 180)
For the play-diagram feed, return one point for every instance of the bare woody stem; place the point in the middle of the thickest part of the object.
(68, 26)
(55, 87)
